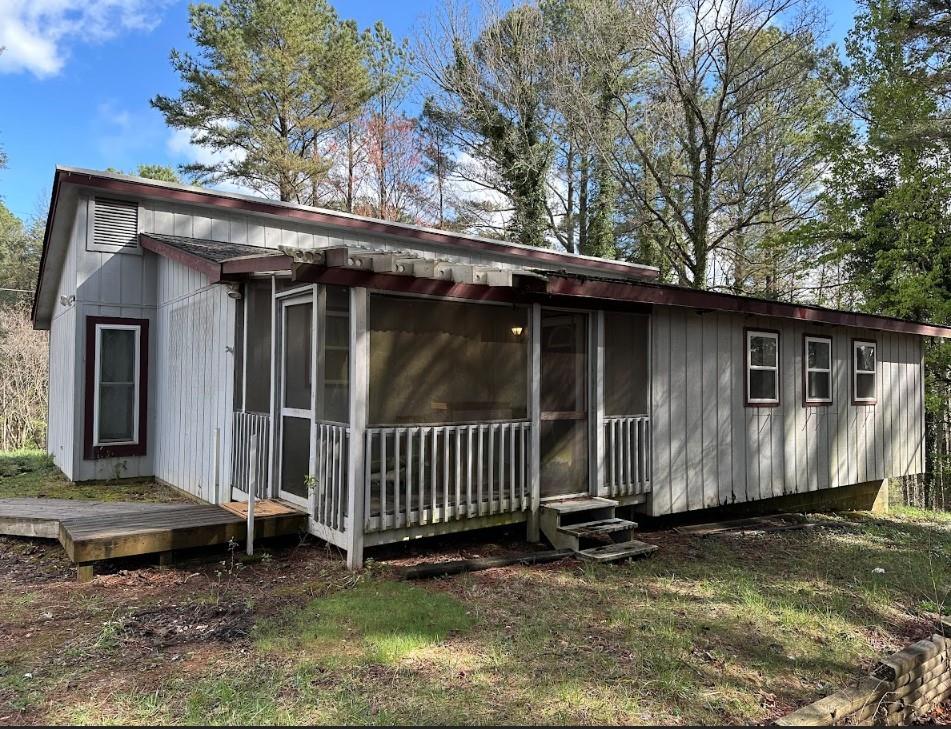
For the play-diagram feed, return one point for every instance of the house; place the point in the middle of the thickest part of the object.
(397, 382)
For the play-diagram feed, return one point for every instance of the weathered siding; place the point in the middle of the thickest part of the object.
(61, 413)
(193, 376)
(710, 450)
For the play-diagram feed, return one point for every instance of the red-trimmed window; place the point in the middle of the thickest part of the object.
(762, 368)
(864, 371)
(117, 356)
(817, 370)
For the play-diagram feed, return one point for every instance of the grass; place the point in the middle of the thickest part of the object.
(726, 629)
(30, 473)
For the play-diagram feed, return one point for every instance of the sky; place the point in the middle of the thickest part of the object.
(76, 77)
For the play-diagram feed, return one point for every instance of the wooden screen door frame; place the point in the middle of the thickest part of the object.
(583, 383)
(306, 296)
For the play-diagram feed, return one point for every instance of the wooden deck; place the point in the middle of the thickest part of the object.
(95, 530)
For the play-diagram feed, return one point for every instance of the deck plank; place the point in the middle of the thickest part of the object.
(94, 530)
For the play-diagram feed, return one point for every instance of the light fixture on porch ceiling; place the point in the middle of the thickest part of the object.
(517, 330)
(234, 290)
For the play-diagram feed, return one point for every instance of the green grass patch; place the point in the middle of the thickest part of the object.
(31, 473)
(375, 621)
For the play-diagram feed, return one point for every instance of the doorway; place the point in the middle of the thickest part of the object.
(564, 403)
(296, 397)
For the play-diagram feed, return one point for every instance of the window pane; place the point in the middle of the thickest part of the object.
(762, 351)
(446, 361)
(116, 413)
(865, 357)
(865, 387)
(818, 386)
(625, 364)
(818, 355)
(762, 385)
(297, 363)
(117, 355)
(295, 455)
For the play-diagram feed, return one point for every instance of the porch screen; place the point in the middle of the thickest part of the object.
(446, 361)
(625, 364)
(258, 302)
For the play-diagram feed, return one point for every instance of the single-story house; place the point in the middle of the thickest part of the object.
(397, 381)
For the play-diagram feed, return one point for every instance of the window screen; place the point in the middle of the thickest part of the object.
(334, 405)
(258, 303)
(297, 355)
(625, 364)
(446, 361)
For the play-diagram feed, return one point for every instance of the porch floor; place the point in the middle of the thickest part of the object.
(94, 530)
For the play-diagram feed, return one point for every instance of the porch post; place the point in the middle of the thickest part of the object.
(359, 392)
(596, 465)
(272, 453)
(534, 413)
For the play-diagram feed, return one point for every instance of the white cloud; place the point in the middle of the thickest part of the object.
(35, 34)
(182, 149)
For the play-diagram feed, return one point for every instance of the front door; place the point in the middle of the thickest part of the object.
(564, 403)
(296, 397)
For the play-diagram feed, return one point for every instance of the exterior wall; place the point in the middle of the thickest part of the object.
(710, 450)
(193, 342)
(60, 442)
(109, 284)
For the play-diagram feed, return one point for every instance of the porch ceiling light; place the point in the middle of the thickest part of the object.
(517, 330)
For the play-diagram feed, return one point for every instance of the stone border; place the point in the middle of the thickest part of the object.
(909, 684)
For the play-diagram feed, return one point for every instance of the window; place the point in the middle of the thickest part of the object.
(817, 374)
(864, 360)
(762, 368)
(116, 364)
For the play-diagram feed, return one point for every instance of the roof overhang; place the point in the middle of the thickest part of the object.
(216, 271)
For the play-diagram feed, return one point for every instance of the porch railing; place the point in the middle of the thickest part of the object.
(246, 427)
(627, 455)
(428, 474)
(331, 456)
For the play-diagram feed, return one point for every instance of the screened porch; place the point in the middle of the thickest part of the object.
(427, 415)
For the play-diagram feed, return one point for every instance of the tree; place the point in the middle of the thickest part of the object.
(273, 80)
(20, 248)
(698, 88)
(151, 172)
(492, 83)
(438, 161)
(887, 198)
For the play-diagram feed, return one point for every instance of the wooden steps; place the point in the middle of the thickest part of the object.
(590, 528)
(618, 550)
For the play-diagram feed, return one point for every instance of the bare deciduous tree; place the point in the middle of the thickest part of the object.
(23, 380)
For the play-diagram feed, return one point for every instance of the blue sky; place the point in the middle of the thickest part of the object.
(77, 75)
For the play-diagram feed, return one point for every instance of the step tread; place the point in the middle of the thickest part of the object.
(597, 527)
(569, 506)
(621, 550)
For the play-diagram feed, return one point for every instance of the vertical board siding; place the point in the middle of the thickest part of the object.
(193, 378)
(709, 449)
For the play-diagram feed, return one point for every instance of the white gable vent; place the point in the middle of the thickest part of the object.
(115, 224)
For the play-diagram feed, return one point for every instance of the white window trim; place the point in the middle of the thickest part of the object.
(810, 370)
(750, 367)
(136, 374)
(856, 343)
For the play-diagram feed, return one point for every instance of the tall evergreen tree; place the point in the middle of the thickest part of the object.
(272, 80)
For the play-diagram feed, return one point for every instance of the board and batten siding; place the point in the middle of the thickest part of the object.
(193, 375)
(710, 450)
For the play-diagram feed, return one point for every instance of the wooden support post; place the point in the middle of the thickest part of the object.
(166, 559)
(217, 466)
(252, 489)
(84, 572)
(597, 473)
(359, 390)
(534, 413)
